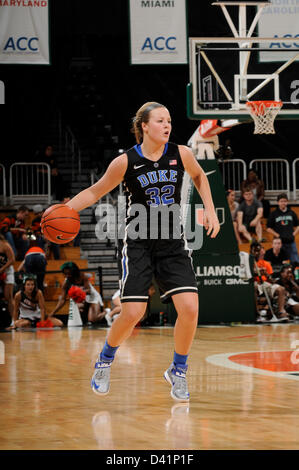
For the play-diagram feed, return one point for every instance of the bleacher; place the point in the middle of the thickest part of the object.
(54, 278)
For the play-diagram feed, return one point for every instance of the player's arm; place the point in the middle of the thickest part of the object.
(296, 224)
(270, 230)
(112, 178)
(10, 257)
(86, 284)
(258, 216)
(41, 304)
(202, 185)
(270, 225)
(117, 306)
(61, 300)
(16, 307)
(240, 218)
(21, 266)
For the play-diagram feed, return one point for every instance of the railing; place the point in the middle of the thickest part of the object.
(295, 185)
(30, 183)
(275, 173)
(73, 152)
(233, 173)
(2, 184)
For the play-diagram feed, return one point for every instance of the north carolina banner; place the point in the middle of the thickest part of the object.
(158, 32)
(24, 32)
(279, 19)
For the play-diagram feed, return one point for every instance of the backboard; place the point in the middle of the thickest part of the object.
(226, 72)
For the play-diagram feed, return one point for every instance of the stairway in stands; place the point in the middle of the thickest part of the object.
(96, 252)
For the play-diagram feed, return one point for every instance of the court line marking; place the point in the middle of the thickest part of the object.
(222, 360)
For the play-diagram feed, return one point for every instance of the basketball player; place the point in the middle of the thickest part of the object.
(152, 173)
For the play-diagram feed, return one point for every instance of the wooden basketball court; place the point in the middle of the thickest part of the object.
(243, 382)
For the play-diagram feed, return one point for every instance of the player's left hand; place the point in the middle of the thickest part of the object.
(211, 223)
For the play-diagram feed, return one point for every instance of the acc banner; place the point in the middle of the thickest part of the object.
(158, 31)
(280, 19)
(24, 32)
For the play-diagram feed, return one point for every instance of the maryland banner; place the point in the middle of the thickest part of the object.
(158, 31)
(24, 32)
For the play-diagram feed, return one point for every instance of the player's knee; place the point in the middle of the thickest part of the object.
(132, 315)
(190, 313)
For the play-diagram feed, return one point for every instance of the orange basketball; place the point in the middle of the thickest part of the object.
(60, 224)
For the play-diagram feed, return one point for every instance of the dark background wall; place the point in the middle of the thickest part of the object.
(114, 90)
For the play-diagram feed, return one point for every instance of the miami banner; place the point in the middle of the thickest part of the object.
(158, 32)
(24, 32)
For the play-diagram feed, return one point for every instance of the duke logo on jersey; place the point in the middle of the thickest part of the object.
(153, 183)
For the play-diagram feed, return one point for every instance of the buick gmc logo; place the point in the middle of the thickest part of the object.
(21, 44)
(159, 44)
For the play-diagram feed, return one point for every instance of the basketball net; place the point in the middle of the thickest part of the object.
(263, 114)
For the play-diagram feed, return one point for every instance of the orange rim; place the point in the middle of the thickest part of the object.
(256, 105)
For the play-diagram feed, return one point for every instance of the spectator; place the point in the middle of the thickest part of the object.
(93, 303)
(292, 289)
(283, 223)
(249, 215)
(29, 306)
(257, 187)
(7, 259)
(77, 240)
(113, 314)
(13, 228)
(276, 255)
(110, 316)
(233, 207)
(35, 225)
(35, 263)
(45, 245)
(263, 281)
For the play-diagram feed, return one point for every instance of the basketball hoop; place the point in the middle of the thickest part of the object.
(264, 113)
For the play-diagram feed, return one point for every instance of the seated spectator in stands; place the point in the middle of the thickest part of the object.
(7, 259)
(276, 255)
(77, 240)
(283, 223)
(46, 245)
(257, 187)
(93, 304)
(263, 280)
(113, 314)
(249, 215)
(116, 304)
(292, 289)
(13, 228)
(233, 207)
(57, 184)
(35, 262)
(29, 306)
(35, 225)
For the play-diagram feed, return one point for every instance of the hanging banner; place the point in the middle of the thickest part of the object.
(158, 32)
(24, 32)
(280, 19)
